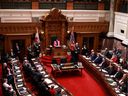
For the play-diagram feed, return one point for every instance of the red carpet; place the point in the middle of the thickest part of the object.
(1, 94)
(83, 85)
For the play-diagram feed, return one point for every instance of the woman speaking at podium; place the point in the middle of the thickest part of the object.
(56, 43)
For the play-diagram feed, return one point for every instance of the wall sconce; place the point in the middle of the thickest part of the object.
(68, 32)
(42, 32)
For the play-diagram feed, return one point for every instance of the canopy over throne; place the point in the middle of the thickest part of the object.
(55, 27)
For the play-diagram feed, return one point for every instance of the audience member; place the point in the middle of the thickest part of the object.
(52, 91)
(84, 50)
(119, 74)
(58, 92)
(111, 69)
(98, 59)
(114, 58)
(93, 55)
(12, 54)
(9, 91)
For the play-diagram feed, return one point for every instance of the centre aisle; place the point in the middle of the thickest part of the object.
(83, 85)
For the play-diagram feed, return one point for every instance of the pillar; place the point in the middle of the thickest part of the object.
(111, 22)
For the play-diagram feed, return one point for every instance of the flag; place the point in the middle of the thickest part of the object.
(37, 39)
(72, 38)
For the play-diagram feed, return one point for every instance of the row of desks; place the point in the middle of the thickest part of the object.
(97, 75)
(66, 67)
(19, 82)
(48, 79)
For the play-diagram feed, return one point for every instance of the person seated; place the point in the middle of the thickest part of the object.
(124, 84)
(56, 43)
(93, 55)
(36, 48)
(114, 58)
(37, 76)
(111, 69)
(8, 88)
(58, 92)
(12, 54)
(119, 74)
(123, 63)
(52, 91)
(43, 88)
(98, 59)
(54, 61)
(84, 50)
(63, 60)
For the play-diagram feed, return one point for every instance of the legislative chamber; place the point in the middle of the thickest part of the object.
(63, 47)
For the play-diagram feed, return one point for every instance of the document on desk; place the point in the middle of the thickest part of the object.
(48, 81)
(20, 85)
(55, 86)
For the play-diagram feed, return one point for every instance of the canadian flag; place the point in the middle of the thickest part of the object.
(37, 39)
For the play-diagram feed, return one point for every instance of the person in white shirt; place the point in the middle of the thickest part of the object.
(6, 85)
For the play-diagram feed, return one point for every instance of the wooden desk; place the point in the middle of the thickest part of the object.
(66, 67)
(97, 75)
(59, 51)
(48, 79)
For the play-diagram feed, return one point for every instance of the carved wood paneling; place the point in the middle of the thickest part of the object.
(89, 26)
(14, 28)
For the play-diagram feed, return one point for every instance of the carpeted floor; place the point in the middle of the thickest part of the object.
(78, 85)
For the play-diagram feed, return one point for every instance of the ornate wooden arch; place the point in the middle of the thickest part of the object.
(55, 25)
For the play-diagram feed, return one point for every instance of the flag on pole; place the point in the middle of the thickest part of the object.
(72, 38)
(37, 39)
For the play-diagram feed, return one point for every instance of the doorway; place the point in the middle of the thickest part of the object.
(89, 41)
(21, 44)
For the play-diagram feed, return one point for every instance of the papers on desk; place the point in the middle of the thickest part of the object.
(20, 85)
(19, 80)
(46, 76)
(35, 62)
(18, 71)
(93, 64)
(48, 81)
(125, 70)
(29, 95)
(113, 84)
(55, 86)
(110, 80)
(104, 71)
(19, 75)
(33, 59)
(121, 95)
(64, 95)
(107, 75)
(17, 67)
(43, 72)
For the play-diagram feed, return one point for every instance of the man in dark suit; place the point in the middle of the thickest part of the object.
(17, 50)
(12, 54)
(98, 59)
(36, 49)
(93, 55)
(119, 74)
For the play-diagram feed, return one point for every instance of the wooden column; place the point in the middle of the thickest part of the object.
(69, 5)
(96, 42)
(35, 5)
(46, 34)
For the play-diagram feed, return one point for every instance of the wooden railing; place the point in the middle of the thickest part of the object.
(97, 76)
